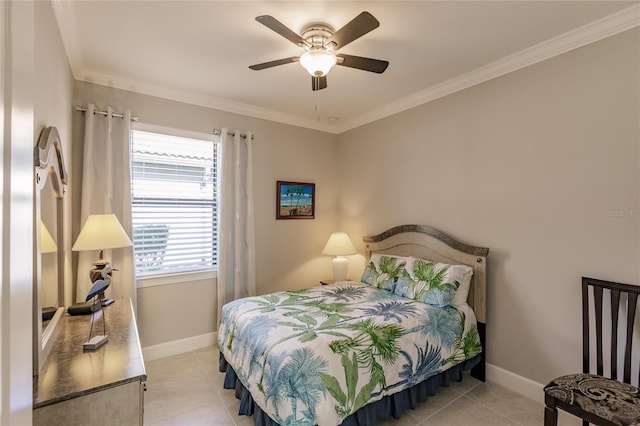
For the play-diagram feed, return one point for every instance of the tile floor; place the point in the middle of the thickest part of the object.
(186, 390)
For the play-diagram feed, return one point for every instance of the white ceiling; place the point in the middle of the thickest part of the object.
(199, 51)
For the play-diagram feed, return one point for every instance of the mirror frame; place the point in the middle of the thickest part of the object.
(49, 167)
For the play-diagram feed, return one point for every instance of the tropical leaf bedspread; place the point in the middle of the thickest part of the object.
(317, 355)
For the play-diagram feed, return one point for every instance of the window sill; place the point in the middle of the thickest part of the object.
(172, 279)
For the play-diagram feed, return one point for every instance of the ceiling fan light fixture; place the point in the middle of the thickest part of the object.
(318, 62)
(320, 42)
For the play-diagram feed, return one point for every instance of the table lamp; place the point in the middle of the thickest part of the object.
(101, 232)
(47, 244)
(339, 245)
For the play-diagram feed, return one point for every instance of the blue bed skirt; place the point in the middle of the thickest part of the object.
(389, 406)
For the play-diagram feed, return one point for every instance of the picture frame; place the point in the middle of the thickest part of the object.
(295, 200)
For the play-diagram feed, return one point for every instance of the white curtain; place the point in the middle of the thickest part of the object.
(106, 188)
(236, 241)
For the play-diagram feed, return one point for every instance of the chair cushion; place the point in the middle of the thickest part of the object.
(609, 399)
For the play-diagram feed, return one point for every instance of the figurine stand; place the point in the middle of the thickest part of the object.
(98, 340)
(95, 342)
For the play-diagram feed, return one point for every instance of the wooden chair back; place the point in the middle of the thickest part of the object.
(621, 314)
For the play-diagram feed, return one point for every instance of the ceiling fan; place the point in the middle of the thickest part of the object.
(320, 42)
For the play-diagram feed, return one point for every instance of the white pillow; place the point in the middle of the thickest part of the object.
(464, 273)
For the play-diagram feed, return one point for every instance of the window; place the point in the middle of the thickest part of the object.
(174, 203)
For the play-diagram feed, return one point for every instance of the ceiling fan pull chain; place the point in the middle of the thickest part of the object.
(317, 93)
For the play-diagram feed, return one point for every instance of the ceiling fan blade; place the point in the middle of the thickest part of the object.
(277, 26)
(357, 27)
(318, 83)
(366, 64)
(265, 65)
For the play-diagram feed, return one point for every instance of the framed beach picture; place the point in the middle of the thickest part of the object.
(295, 200)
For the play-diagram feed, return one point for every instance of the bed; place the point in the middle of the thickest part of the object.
(358, 352)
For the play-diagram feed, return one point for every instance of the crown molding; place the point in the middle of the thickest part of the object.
(598, 30)
(608, 26)
(199, 99)
(67, 25)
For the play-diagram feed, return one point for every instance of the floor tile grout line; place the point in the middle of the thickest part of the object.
(193, 360)
(174, 414)
(219, 391)
(472, 388)
(444, 407)
(494, 411)
(497, 412)
(233, 416)
(476, 402)
(204, 404)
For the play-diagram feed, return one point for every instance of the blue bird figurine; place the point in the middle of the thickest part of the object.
(99, 286)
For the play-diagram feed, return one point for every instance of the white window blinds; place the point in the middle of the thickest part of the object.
(174, 203)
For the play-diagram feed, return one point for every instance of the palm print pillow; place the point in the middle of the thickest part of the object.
(428, 282)
(383, 271)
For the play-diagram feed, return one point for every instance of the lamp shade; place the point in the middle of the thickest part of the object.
(318, 62)
(339, 244)
(101, 231)
(47, 244)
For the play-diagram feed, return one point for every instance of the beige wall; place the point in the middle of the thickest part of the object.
(287, 251)
(531, 165)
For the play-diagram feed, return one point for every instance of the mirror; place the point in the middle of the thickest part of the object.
(48, 223)
(48, 253)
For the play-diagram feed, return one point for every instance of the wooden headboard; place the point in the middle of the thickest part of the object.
(427, 243)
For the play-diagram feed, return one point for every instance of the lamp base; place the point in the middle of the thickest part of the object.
(340, 265)
(96, 273)
(95, 342)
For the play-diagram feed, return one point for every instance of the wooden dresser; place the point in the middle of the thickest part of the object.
(101, 387)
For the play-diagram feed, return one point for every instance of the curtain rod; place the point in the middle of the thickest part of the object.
(217, 132)
(114, 114)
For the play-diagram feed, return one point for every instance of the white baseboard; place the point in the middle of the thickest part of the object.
(528, 388)
(512, 381)
(176, 347)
